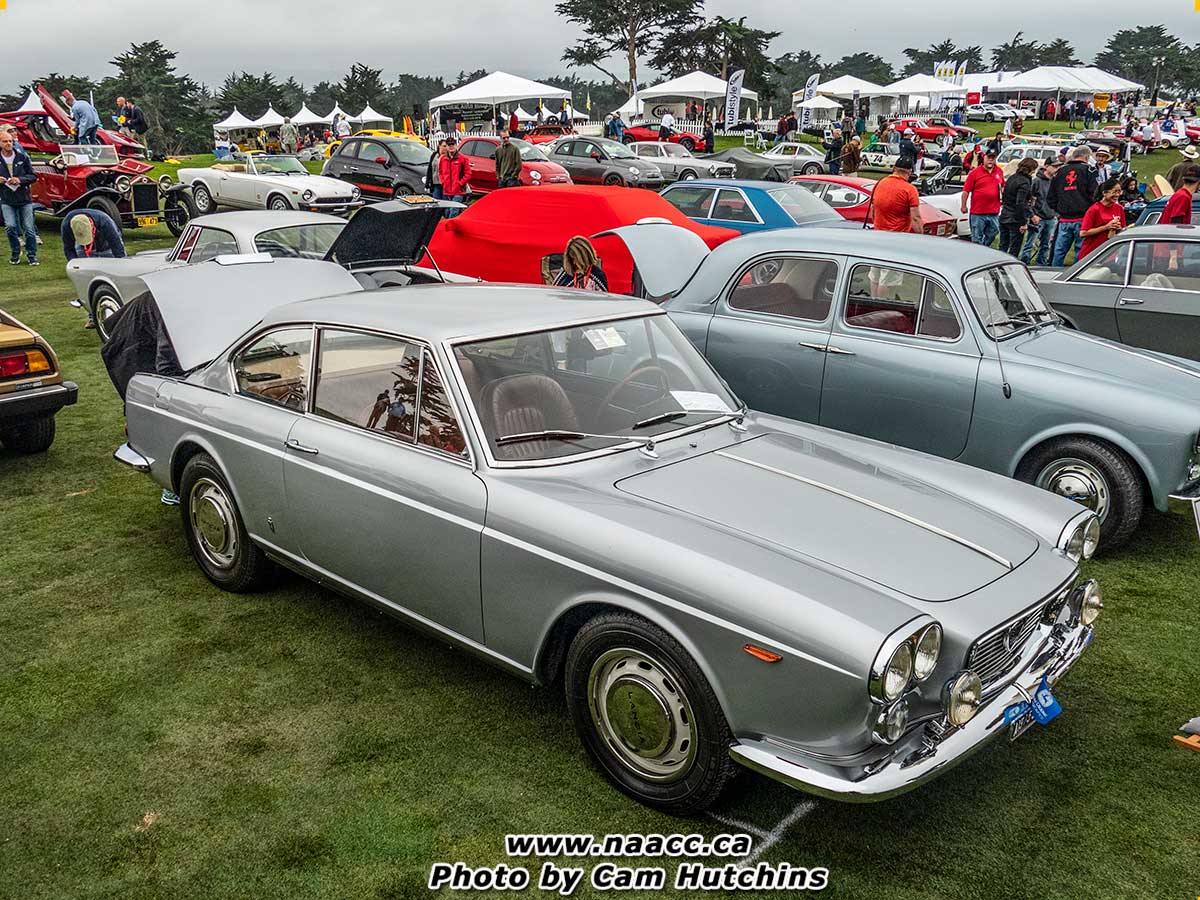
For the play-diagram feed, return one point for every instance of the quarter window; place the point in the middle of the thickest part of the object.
(1108, 268)
(437, 427)
(795, 288)
(368, 381)
(186, 243)
(1171, 265)
(211, 243)
(275, 368)
(841, 197)
(885, 299)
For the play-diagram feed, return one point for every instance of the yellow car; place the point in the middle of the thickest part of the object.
(32, 389)
(376, 132)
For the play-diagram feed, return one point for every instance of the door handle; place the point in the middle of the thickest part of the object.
(1130, 301)
(838, 351)
(293, 444)
(353, 168)
(820, 348)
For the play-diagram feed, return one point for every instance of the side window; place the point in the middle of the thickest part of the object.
(1108, 268)
(840, 197)
(275, 368)
(693, 202)
(586, 148)
(795, 288)
(884, 299)
(938, 319)
(349, 148)
(484, 149)
(437, 427)
(1170, 265)
(813, 187)
(368, 381)
(186, 243)
(372, 150)
(211, 243)
(648, 150)
(566, 148)
(733, 207)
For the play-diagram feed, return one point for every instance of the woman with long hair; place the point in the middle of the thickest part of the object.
(581, 267)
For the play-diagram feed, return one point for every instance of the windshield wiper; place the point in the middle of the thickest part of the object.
(557, 434)
(661, 417)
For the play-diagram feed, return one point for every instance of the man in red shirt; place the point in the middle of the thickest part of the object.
(1103, 219)
(982, 188)
(895, 201)
(1179, 208)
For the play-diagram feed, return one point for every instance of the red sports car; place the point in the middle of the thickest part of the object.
(536, 168)
(519, 235)
(932, 128)
(851, 198)
(43, 132)
(544, 134)
(692, 142)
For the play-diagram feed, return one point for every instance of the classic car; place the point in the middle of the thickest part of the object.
(948, 201)
(380, 167)
(990, 112)
(677, 164)
(883, 156)
(268, 181)
(648, 133)
(391, 239)
(1153, 211)
(747, 206)
(543, 134)
(851, 197)
(32, 388)
(92, 177)
(931, 128)
(1014, 152)
(43, 131)
(519, 236)
(805, 159)
(941, 346)
(601, 161)
(1140, 287)
(559, 483)
(536, 167)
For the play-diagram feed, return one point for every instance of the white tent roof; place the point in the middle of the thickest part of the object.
(845, 86)
(632, 107)
(370, 115)
(307, 117)
(31, 104)
(233, 121)
(698, 85)
(269, 119)
(819, 102)
(920, 84)
(523, 116)
(1068, 79)
(336, 111)
(497, 88)
(576, 114)
(973, 82)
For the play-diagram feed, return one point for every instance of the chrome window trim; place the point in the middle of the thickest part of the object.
(1078, 268)
(245, 344)
(926, 279)
(417, 345)
(712, 209)
(732, 285)
(967, 295)
(174, 254)
(1129, 269)
(679, 186)
(202, 229)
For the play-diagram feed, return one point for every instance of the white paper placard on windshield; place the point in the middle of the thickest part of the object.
(700, 401)
(604, 338)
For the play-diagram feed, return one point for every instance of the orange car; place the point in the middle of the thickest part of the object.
(32, 389)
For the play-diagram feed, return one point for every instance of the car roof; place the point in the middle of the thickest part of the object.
(439, 312)
(1164, 232)
(264, 219)
(732, 182)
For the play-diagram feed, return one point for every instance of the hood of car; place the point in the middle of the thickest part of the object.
(906, 535)
(666, 255)
(320, 185)
(392, 233)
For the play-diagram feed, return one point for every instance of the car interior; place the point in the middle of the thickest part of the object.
(1167, 265)
(795, 288)
(886, 299)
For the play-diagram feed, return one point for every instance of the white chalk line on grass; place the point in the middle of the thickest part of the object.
(768, 838)
(738, 823)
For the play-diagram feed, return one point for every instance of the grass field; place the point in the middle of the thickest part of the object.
(162, 739)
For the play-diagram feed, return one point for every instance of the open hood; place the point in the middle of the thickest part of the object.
(666, 255)
(65, 123)
(205, 308)
(392, 233)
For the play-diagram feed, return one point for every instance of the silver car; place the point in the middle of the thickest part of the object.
(558, 482)
(677, 163)
(806, 159)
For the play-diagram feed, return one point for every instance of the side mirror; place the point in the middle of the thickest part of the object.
(382, 160)
(596, 156)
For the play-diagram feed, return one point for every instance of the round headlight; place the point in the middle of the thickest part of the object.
(929, 645)
(633, 170)
(897, 672)
(890, 724)
(712, 170)
(355, 193)
(1089, 610)
(122, 184)
(1091, 537)
(964, 694)
(1074, 548)
(307, 196)
(165, 182)
(535, 175)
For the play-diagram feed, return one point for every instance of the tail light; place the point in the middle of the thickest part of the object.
(15, 363)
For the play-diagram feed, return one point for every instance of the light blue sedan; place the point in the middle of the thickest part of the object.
(749, 206)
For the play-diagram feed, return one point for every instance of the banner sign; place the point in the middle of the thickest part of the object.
(733, 97)
(810, 91)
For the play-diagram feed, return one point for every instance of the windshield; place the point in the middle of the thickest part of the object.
(529, 152)
(803, 206)
(299, 241)
(615, 381)
(1006, 299)
(88, 154)
(614, 149)
(278, 165)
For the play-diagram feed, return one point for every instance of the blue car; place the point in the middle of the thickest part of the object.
(1154, 209)
(749, 206)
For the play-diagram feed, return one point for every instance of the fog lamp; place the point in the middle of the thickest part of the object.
(964, 694)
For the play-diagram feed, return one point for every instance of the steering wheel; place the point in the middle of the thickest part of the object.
(630, 379)
(765, 272)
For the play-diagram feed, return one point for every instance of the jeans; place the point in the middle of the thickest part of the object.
(1010, 238)
(451, 213)
(509, 182)
(18, 220)
(835, 168)
(1043, 235)
(437, 192)
(89, 136)
(1068, 236)
(984, 228)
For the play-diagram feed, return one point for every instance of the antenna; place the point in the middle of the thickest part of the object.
(1007, 388)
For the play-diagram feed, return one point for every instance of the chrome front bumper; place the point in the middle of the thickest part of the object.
(913, 766)
(1187, 498)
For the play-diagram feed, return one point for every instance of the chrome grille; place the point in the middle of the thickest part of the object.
(995, 654)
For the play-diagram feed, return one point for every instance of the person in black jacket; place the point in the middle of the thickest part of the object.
(1016, 207)
(16, 205)
(1072, 192)
(89, 232)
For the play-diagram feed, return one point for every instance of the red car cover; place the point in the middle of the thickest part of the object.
(505, 235)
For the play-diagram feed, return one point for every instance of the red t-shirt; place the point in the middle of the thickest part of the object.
(893, 200)
(1098, 214)
(984, 187)
(1179, 209)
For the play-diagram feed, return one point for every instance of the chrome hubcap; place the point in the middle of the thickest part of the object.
(642, 714)
(106, 308)
(1079, 481)
(213, 523)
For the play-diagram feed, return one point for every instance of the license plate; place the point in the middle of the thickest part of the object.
(146, 221)
(417, 198)
(1020, 726)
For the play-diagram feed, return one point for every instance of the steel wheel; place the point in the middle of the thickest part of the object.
(106, 305)
(279, 204)
(642, 714)
(203, 200)
(1080, 481)
(213, 522)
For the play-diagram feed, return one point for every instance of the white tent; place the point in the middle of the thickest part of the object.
(523, 116)
(234, 121)
(844, 86)
(269, 119)
(31, 104)
(696, 85)
(632, 107)
(974, 82)
(307, 117)
(920, 84)
(818, 103)
(338, 111)
(497, 88)
(576, 114)
(369, 115)
(1066, 80)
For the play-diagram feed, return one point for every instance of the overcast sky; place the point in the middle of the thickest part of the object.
(319, 40)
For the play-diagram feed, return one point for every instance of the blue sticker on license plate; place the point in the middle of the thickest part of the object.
(1043, 708)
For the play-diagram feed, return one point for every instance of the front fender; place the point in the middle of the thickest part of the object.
(81, 201)
(1153, 474)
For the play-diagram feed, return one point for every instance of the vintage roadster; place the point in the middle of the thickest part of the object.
(558, 482)
(265, 181)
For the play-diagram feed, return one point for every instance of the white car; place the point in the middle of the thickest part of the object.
(883, 156)
(951, 205)
(990, 112)
(261, 181)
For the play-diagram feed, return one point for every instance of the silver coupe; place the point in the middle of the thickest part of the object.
(677, 163)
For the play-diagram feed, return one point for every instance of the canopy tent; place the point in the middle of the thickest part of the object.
(631, 107)
(1066, 80)
(845, 86)
(269, 119)
(523, 116)
(307, 117)
(576, 114)
(696, 85)
(920, 84)
(818, 103)
(338, 111)
(497, 88)
(32, 104)
(369, 115)
(233, 122)
(975, 82)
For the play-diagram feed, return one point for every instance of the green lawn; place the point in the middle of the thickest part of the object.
(162, 739)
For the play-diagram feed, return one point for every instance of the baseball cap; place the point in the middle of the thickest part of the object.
(81, 227)
(1191, 173)
(906, 162)
(451, 139)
